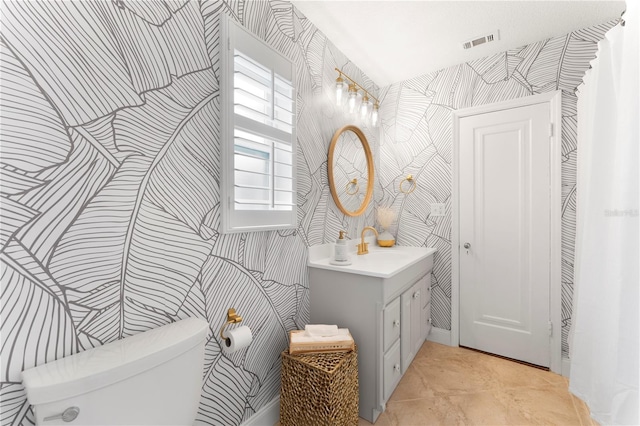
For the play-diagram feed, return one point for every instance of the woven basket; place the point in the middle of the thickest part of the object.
(319, 389)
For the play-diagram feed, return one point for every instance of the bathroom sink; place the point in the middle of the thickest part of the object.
(383, 262)
(384, 254)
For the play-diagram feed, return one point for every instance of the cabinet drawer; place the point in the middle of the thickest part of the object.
(391, 327)
(392, 373)
(425, 293)
(426, 320)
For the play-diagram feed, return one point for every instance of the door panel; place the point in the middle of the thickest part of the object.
(505, 220)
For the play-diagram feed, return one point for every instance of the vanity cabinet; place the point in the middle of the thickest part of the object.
(385, 315)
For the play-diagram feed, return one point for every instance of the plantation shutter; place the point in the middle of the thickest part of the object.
(259, 112)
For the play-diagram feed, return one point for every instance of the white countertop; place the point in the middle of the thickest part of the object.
(382, 262)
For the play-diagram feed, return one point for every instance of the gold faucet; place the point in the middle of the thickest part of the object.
(363, 248)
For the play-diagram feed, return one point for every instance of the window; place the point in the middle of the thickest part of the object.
(258, 134)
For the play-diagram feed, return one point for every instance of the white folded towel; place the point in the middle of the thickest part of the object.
(321, 330)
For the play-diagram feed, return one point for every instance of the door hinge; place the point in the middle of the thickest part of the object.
(550, 329)
(550, 129)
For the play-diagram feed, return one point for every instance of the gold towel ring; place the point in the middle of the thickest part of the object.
(232, 318)
(412, 183)
(356, 184)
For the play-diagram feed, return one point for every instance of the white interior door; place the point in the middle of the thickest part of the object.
(505, 231)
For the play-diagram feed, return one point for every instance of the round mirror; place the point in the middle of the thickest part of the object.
(350, 170)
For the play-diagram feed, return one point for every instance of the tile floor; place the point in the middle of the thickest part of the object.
(457, 386)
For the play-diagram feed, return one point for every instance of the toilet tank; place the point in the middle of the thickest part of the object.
(151, 378)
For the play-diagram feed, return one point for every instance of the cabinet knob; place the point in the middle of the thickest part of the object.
(396, 367)
(396, 323)
(416, 295)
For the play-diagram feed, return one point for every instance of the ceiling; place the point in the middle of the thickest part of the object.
(392, 41)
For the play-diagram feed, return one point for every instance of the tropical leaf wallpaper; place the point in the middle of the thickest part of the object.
(416, 138)
(110, 177)
(110, 170)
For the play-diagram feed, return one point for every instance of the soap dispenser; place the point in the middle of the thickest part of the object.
(341, 252)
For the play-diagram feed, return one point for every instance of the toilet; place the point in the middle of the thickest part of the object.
(151, 378)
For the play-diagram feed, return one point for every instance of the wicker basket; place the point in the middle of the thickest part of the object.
(319, 389)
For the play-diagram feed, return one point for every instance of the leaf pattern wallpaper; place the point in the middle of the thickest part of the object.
(110, 172)
(416, 138)
(110, 169)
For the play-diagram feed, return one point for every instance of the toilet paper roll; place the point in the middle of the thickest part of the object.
(238, 338)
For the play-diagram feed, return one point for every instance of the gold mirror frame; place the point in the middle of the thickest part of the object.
(367, 152)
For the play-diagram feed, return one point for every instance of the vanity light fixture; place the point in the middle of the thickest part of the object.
(366, 104)
(353, 98)
(375, 115)
(340, 90)
(364, 107)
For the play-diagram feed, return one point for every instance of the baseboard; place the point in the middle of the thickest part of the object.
(268, 415)
(440, 335)
(566, 367)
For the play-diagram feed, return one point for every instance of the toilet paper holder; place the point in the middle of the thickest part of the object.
(232, 318)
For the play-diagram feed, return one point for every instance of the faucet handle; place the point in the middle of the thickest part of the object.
(363, 248)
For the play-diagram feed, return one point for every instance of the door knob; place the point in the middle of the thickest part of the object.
(467, 246)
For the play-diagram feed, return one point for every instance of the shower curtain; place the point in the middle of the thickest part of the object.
(604, 336)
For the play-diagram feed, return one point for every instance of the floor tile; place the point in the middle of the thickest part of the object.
(429, 411)
(583, 412)
(548, 405)
(458, 386)
(413, 385)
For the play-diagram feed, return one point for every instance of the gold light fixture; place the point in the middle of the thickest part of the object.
(364, 107)
(340, 90)
(352, 100)
(375, 114)
(366, 104)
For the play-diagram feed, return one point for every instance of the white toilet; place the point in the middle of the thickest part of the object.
(151, 378)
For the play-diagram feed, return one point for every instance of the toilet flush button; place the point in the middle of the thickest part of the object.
(67, 415)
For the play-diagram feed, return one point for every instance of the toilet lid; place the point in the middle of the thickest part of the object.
(101, 366)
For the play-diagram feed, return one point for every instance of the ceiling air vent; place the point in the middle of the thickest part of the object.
(495, 35)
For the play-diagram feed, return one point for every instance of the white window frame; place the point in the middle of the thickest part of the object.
(234, 36)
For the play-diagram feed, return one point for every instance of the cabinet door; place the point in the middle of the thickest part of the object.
(392, 324)
(425, 291)
(426, 321)
(406, 346)
(391, 367)
(417, 334)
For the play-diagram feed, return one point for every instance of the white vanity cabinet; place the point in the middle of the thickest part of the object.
(384, 313)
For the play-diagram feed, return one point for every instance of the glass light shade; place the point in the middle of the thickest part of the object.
(364, 108)
(375, 115)
(353, 100)
(340, 91)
